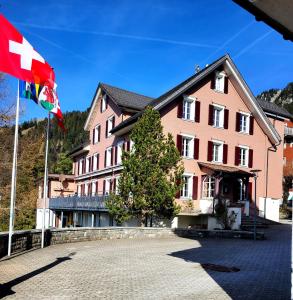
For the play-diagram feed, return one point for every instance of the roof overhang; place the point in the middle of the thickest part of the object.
(223, 169)
(83, 149)
(277, 14)
(93, 108)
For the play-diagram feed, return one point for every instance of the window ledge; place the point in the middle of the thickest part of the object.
(218, 127)
(187, 157)
(188, 120)
(217, 91)
(216, 162)
(185, 198)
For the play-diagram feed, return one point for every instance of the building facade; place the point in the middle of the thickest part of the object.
(221, 131)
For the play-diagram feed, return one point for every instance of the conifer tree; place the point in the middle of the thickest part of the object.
(151, 170)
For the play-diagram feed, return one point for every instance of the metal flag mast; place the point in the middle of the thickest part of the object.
(13, 176)
(45, 193)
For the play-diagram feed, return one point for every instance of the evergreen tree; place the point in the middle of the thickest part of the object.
(151, 170)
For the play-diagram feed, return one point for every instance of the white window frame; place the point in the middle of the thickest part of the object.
(186, 190)
(80, 166)
(244, 151)
(104, 103)
(94, 187)
(246, 117)
(86, 189)
(110, 121)
(116, 187)
(87, 164)
(188, 102)
(220, 151)
(187, 141)
(207, 183)
(97, 130)
(108, 156)
(220, 81)
(78, 190)
(119, 152)
(220, 111)
(95, 161)
(108, 185)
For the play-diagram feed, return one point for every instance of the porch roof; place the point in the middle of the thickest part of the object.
(224, 169)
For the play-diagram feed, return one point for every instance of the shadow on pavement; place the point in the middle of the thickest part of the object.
(6, 288)
(265, 266)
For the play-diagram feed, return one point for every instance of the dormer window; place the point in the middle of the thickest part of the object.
(104, 103)
(220, 82)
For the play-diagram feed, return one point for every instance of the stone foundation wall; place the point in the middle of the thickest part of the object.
(31, 239)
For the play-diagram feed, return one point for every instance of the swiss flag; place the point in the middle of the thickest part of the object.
(20, 59)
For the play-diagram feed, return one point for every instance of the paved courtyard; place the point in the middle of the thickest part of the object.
(153, 269)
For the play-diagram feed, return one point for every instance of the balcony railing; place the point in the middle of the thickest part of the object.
(91, 203)
(288, 131)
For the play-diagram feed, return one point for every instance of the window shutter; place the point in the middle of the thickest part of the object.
(106, 132)
(211, 114)
(104, 187)
(226, 118)
(128, 145)
(101, 107)
(114, 184)
(94, 130)
(97, 188)
(90, 189)
(250, 158)
(105, 159)
(180, 108)
(106, 100)
(112, 156)
(179, 143)
(90, 164)
(195, 188)
(99, 133)
(251, 125)
(78, 167)
(237, 128)
(111, 185)
(98, 161)
(226, 85)
(225, 154)
(196, 149)
(197, 111)
(237, 156)
(83, 165)
(213, 81)
(210, 151)
(116, 153)
(113, 123)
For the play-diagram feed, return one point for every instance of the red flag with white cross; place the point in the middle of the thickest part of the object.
(18, 57)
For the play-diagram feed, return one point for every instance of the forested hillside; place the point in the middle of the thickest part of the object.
(282, 97)
(30, 165)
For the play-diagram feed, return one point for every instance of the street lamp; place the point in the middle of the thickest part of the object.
(255, 175)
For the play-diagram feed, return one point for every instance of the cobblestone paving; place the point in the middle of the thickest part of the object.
(153, 269)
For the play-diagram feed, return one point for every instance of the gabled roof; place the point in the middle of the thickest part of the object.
(274, 109)
(125, 100)
(239, 84)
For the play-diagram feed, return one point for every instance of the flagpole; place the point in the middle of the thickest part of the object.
(45, 194)
(13, 176)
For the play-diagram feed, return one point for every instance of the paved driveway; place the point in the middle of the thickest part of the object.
(153, 269)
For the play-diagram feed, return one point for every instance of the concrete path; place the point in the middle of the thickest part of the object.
(153, 269)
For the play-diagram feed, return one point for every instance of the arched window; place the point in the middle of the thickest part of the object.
(208, 187)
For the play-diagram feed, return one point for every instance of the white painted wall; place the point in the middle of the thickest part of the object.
(206, 206)
(212, 221)
(272, 208)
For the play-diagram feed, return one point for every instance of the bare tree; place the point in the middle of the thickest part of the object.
(6, 107)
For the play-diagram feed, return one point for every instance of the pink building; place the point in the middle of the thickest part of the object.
(220, 129)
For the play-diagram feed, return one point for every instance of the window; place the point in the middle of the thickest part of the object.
(117, 185)
(244, 123)
(217, 151)
(186, 190)
(94, 188)
(108, 157)
(104, 103)
(78, 190)
(208, 187)
(119, 152)
(243, 156)
(187, 147)
(110, 125)
(188, 109)
(88, 162)
(80, 169)
(97, 134)
(96, 162)
(86, 189)
(220, 82)
(107, 186)
(218, 116)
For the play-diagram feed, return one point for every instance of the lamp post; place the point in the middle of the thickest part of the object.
(255, 175)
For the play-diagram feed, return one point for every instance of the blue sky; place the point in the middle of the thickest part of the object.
(146, 46)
